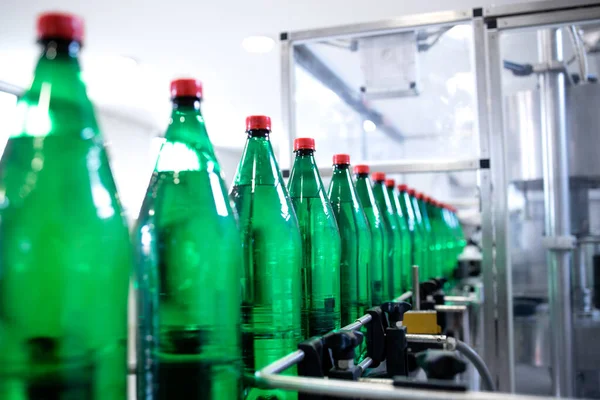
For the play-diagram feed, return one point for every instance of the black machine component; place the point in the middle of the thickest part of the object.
(395, 339)
(441, 364)
(334, 354)
(343, 346)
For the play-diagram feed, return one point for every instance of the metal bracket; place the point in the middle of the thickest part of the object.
(551, 66)
(559, 243)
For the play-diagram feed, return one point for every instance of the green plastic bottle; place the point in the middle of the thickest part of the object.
(364, 190)
(321, 246)
(440, 235)
(393, 251)
(425, 228)
(356, 241)
(65, 253)
(432, 246)
(415, 227)
(456, 233)
(189, 262)
(405, 265)
(272, 257)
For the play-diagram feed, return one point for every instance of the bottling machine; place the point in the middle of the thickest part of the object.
(495, 110)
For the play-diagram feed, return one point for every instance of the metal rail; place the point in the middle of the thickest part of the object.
(372, 389)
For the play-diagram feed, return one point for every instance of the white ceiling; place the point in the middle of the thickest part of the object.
(199, 38)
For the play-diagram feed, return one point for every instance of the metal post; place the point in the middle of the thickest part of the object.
(288, 102)
(487, 318)
(416, 289)
(557, 204)
(498, 326)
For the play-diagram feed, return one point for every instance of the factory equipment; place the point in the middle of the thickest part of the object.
(530, 151)
(527, 211)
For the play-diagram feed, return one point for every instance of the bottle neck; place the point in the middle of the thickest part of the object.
(258, 165)
(259, 133)
(341, 188)
(187, 124)
(364, 190)
(382, 196)
(187, 146)
(305, 180)
(58, 95)
(304, 160)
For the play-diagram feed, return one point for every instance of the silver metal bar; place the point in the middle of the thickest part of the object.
(451, 308)
(557, 204)
(374, 390)
(498, 327)
(487, 317)
(404, 296)
(414, 166)
(359, 323)
(460, 299)
(284, 363)
(426, 339)
(588, 240)
(12, 89)
(553, 18)
(382, 27)
(366, 363)
(534, 6)
(416, 298)
(288, 104)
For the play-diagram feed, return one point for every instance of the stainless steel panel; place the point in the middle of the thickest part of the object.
(583, 120)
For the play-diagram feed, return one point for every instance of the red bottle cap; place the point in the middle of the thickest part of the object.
(411, 192)
(341, 159)
(402, 187)
(390, 183)
(304, 144)
(361, 169)
(419, 195)
(56, 25)
(258, 122)
(378, 176)
(186, 87)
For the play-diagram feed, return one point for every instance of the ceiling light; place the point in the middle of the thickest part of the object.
(258, 44)
(369, 126)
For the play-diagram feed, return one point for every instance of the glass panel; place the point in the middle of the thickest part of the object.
(434, 118)
(527, 213)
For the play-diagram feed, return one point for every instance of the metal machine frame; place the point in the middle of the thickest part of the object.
(488, 24)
